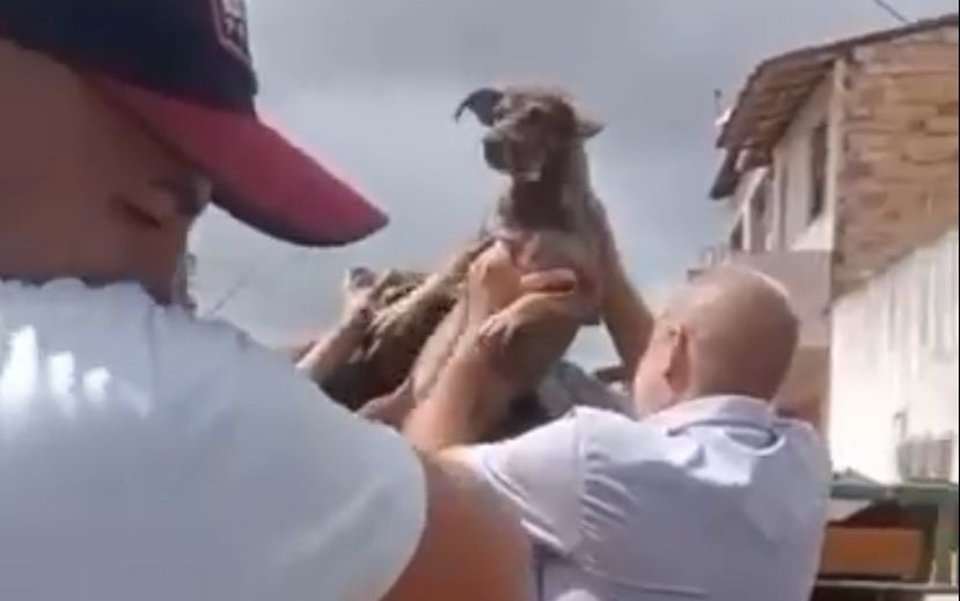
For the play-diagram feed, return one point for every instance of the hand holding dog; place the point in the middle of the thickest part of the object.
(524, 320)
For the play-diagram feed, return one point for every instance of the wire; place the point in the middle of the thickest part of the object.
(892, 11)
(244, 280)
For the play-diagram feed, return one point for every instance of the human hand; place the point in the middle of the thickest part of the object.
(504, 302)
(548, 300)
(517, 345)
(521, 326)
(493, 281)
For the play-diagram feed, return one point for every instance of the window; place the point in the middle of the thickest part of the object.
(761, 217)
(818, 172)
(736, 238)
(784, 178)
(783, 193)
(774, 215)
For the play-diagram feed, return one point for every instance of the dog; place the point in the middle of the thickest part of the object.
(549, 217)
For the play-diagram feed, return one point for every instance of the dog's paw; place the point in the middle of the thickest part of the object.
(498, 332)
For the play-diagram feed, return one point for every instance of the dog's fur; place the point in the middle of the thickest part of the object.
(548, 217)
(407, 307)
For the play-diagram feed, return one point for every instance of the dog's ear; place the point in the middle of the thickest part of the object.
(588, 128)
(482, 102)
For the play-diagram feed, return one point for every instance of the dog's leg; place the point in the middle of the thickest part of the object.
(530, 336)
(407, 313)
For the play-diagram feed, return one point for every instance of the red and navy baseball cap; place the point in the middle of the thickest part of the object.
(183, 67)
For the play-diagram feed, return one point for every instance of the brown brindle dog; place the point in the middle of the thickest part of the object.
(549, 218)
(548, 215)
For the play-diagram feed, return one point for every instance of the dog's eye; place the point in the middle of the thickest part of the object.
(536, 114)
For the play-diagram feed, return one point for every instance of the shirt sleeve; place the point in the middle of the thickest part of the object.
(304, 499)
(539, 473)
(568, 386)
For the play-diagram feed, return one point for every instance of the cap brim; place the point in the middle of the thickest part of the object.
(260, 178)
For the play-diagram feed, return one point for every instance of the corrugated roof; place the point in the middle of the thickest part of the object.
(778, 88)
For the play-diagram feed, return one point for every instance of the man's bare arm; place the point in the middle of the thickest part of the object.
(334, 349)
(473, 547)
(460, 406)
(391, 409)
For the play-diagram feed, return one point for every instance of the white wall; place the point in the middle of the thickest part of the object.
(792, 155)
(895, 350)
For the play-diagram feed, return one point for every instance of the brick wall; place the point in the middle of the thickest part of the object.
(897, 182)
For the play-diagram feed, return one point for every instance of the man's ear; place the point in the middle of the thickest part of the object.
(166, 200)
(150, 207)
(677, 357)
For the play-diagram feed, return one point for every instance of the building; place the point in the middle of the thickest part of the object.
(839, 175)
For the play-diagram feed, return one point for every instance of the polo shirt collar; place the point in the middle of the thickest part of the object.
(721, 410)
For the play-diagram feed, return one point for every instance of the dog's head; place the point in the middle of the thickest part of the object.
(382, 290)
(527, 126)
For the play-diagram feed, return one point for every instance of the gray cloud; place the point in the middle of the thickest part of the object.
(370, 85)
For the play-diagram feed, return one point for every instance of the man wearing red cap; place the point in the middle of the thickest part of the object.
(147, 455)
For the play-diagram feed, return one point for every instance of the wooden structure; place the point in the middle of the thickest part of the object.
(902, 546)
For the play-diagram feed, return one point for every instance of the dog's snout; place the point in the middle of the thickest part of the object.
(494, 151)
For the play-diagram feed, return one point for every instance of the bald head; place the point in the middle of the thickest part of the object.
(742, 332)
(730, 331)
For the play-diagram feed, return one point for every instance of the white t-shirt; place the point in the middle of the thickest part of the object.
(145, 455)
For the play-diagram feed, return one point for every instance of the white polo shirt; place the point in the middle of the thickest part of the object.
(714, 499)
(148, 456)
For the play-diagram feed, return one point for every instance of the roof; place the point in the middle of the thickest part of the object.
(778, 88)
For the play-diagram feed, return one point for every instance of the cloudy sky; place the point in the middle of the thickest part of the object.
(370, 85)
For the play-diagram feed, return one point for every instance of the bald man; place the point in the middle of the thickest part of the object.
(704, 494)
